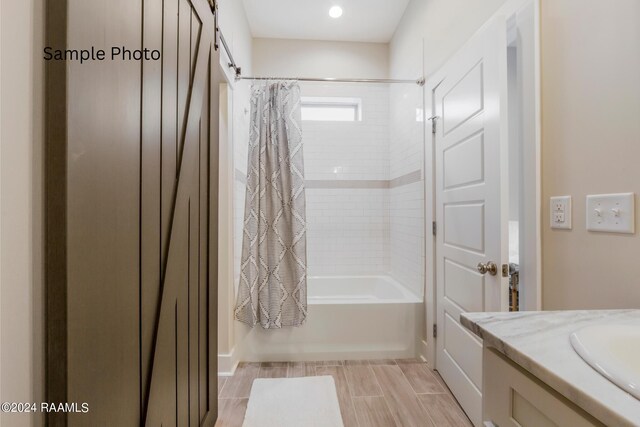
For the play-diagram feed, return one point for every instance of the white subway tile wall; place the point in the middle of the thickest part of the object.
(348, 228)
(356, 231)
(406, 231)
(406, 143)
(406, 154)
(238, 222)
(349, 150)
(240, 135)
(348, 231)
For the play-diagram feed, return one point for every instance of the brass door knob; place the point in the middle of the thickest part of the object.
(489, 267)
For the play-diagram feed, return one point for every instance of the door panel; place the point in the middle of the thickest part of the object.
(102, 155)
(470, 204)
(151, 182)
(464, 99)
(463, 348)
(459, 167)
(463, 286)
(464, 226)
(181, 371)
(169, 106)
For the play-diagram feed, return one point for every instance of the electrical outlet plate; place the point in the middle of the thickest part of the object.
(613, 213)
(561, 212)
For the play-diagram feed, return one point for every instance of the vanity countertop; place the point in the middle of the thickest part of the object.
(538, 341)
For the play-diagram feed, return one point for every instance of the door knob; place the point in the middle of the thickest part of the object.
(489, 267)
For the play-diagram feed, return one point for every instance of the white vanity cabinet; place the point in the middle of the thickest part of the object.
(515, 398)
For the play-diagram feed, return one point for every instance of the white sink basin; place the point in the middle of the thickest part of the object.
(614, 351)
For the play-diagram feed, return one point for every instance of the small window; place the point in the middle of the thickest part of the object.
(329, 109)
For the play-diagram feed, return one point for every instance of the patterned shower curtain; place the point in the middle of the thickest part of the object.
(273, 269)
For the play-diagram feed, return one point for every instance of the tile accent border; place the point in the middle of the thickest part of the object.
(346, 183)
(406, 179)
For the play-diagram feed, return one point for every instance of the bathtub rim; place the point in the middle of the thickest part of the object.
(409, 297)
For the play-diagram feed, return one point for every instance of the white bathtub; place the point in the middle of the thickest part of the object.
(350, 317)
(357, 290)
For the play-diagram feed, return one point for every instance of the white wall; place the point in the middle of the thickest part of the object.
(442, 25)
(235, 27)
(515, 139)
(21, 207)
(590, 145)
(308, 58)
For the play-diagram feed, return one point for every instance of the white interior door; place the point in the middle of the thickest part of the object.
(471, 205)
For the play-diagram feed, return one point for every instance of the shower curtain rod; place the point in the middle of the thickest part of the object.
(419, 81)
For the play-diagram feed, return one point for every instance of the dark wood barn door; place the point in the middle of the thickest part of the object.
(131, 169)
(177, 310)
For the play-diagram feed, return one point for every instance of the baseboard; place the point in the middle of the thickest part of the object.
(423, 352)
(317, 356)
(227, 364)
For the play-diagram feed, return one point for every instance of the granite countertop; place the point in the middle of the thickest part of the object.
(538, 341)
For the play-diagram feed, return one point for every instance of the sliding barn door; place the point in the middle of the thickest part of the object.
(177, 305)
(131, 215)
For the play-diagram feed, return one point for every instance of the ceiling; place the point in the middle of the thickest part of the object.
(362, 20)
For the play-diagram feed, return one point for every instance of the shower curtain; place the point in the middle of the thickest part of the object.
(273, 267)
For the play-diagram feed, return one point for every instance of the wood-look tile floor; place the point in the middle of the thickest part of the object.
(374, 393)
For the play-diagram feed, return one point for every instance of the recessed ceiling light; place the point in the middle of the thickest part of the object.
(335, 12)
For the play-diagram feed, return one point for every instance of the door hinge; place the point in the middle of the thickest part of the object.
(435, 330)
(434, 228)
(434, 120)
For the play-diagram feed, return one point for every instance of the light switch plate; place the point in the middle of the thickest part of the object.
(561, 212)
(613, 213)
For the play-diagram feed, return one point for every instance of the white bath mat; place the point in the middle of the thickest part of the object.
(293, 402)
